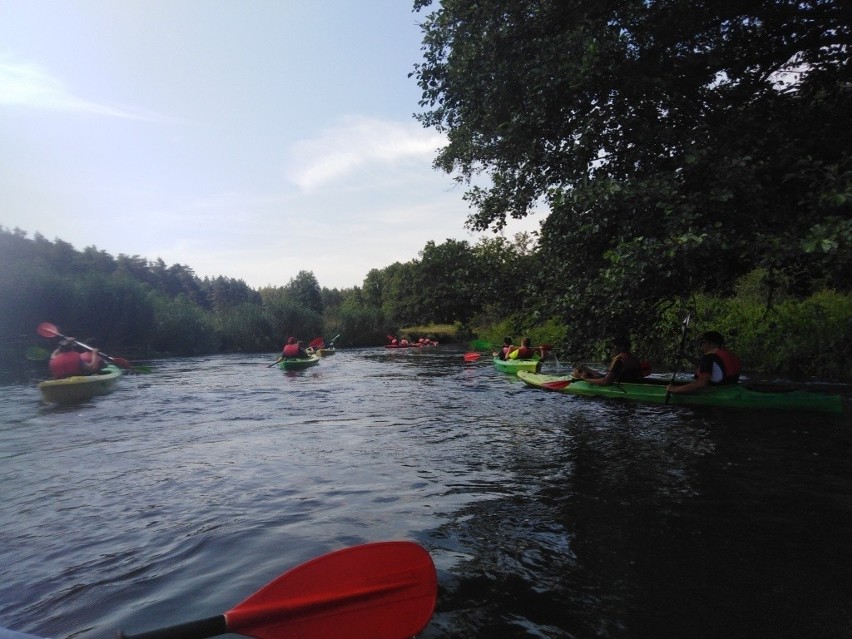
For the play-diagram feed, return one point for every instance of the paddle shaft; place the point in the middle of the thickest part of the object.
(45, 329)
(210, 627)
(680, 353)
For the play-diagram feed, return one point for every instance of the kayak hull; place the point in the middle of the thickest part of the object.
(298, 363)
(513, 366)
(325, 352)
(733, 396)
(80, 388)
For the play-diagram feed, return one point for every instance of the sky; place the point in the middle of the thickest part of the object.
(251, 139)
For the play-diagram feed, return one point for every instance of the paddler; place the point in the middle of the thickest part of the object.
(718, 366)
(67, 361)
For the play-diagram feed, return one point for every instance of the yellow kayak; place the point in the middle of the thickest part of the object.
(80, 388)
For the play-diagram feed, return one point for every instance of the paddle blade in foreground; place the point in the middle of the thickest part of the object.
(383, 590)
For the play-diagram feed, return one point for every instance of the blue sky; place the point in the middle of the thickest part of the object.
(246, 138)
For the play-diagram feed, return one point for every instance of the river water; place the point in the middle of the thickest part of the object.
(546, 515)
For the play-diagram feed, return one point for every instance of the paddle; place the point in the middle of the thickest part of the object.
(472, 357)
(681, 353)
(558, 384)
(316, 342)
(46, 329)
(381, 590)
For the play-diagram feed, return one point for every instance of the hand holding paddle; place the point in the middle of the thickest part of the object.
(382, 590)
(46, 329)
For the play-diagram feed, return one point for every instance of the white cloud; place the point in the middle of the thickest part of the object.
(29, 85)
(356, 143)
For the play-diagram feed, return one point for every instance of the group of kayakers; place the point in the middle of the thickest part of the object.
(718, 365)
(404, 342)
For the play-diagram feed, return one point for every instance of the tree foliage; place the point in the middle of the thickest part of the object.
(678, 144)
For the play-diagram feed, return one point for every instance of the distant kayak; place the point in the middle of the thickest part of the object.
(298, 363)
(80, 388)
(733, 396)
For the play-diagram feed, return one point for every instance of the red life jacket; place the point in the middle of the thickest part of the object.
(65, 364)
(290, 350)
(524, 352)
(731, 366)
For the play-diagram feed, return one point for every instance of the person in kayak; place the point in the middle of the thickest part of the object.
(67, 361)
(503, 353)
(292, 349)
(718, 366)
(524, 351)
(624, 367)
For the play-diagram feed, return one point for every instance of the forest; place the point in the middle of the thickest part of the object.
(693, 157)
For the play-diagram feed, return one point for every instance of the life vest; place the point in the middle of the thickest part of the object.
(525, 352)
(290, 350)
(731, 366)
(65, 364)
(728, 366)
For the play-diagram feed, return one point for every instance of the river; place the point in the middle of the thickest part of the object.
(546, 515)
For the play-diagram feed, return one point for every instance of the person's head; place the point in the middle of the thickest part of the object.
(67, 345)
(291, 340)
(507, 341)
(711, 339)
(621, 344)
(300, 344)
(526, 342)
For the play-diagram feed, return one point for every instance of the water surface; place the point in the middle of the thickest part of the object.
(547, 515)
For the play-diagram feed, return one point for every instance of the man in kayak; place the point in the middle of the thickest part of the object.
(292, 349)
(717, 366)
(623, 368)
(66, 361)
(524, 351)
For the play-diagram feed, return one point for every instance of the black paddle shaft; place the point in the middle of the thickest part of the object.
(209, 627)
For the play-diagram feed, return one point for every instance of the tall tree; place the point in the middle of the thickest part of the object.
(304, 289)
(677, 143)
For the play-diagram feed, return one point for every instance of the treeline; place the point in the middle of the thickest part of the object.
(146, 308)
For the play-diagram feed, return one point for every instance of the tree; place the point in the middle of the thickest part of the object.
(678, 144)
(304, 289)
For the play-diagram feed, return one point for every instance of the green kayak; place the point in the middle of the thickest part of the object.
(298, 363)
(735, 396)
(80, 388)
(514, 365)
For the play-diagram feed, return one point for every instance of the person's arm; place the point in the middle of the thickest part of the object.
(698, 383)
(600, 381)
(94, 364)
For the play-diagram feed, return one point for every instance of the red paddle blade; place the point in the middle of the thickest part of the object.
(383, 590)
(557, 384)
(316, 342)
(121, 363)
(46, 329)
(471, 357)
